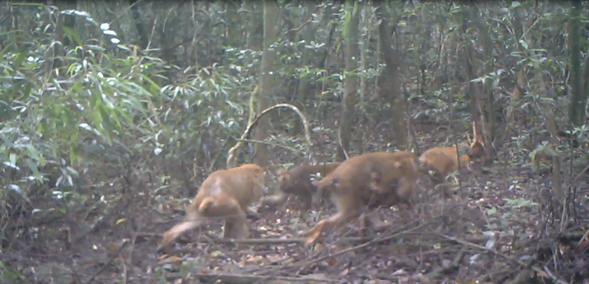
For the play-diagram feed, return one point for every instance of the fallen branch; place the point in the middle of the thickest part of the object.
(376, 240)
(581, 173)
(275, 241)
(583, 242)
(540, 272)
(125, 242)
(232, 152)
(290, 240)
(243, 279)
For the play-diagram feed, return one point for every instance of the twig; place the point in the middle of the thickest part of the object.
(582, 172)
(258, 241)
(373, 241)
(244, 279)
(125, 242)
(542, 273)
(76, 276)
(583, 242)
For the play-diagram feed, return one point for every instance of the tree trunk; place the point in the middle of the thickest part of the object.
(267, 77)
(142, 32)
(578, 101)
(363, 48)
(487, 91)
(551, 126)
(390, 77)
(303, 89)
(473, 87)
(350, 81)
(585, 81)
(327, 19)
(254, 39)
(232, 28)
(488, 68)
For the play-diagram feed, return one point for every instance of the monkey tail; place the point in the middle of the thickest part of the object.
(177, 231)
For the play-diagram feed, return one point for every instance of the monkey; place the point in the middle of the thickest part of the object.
(297, 181)
(352, 186)
(224, 194)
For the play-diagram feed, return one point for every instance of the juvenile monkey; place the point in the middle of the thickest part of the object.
(297, 181)
(224, 194)
(443, 160)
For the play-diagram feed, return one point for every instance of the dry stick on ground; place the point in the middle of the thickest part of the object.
(583, 243)
(373, 241)
(243, 279)
(279, 241)
(446, 269)
(542, 273)
(250, 127)
(257, 241)
(582, 172)
(125, 242)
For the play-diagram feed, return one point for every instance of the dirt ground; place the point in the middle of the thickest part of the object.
(502, 226)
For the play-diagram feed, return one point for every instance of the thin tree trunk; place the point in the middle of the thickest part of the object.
(350, 81)
(303, 88)
(585, 82)
(390, 77)
(266, 78)
(327, 18)
(142, 32)
(256, 28)
(473, 87)
(487, 91)
(578, 101)
(232, 28)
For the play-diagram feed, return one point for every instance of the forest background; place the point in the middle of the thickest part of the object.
(112, 113)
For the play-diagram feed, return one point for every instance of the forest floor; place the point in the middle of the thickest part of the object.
(499, 228)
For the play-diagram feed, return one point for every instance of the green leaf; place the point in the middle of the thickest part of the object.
(72, 35)
(151, 82)
(12, 158)
(38, 176)
(20, 58)
(32, 151)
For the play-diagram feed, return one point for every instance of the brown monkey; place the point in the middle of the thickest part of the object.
(297, 181)
(442, 161)
(224, 194)
(370, 179)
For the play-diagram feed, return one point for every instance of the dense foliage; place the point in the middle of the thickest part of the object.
(106, 104)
